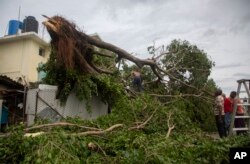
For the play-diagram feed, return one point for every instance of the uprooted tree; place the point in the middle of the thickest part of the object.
(75, 49)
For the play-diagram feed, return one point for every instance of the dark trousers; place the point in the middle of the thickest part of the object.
(220, 123)
(239, 123)
(228, 116)
(137, 84)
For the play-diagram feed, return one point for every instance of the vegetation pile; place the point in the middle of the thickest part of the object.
(132, 133)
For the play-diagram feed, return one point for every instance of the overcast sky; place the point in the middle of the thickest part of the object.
(220, 27)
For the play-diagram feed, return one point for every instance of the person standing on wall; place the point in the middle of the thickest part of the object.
(137, 80)
(219, 113)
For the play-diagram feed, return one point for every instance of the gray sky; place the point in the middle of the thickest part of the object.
(220, 27)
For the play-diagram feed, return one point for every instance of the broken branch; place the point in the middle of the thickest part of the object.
(141, 126)
(170, 127)
(100, 132)
(60, 124)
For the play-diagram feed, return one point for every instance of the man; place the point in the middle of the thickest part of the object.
(239, 122)
(137, 80)
(219, 113)
(228, 112)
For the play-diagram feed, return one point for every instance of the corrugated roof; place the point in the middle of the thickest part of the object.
(5, 80)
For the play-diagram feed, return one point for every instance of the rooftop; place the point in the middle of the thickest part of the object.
(26, 35)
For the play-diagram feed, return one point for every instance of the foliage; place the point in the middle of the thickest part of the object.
(187, 63)
(84, 85)
(186, 144)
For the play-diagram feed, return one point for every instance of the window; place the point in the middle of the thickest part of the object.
(41, 52)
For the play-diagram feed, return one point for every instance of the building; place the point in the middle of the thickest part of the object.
(20, 56)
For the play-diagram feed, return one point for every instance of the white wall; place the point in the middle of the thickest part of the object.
(73, 107)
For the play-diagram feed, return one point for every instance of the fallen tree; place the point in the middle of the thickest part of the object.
(76, 50)
(75, 47)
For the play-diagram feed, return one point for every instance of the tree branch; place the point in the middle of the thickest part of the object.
(170, 127)
(99, 132)
(100, 70)
(120, 52)
(101, 54)
(141, 126)
(60, 124)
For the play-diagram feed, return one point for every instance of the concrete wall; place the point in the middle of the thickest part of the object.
(20, 58)
(73, 107)
(35, 59)
(10, 59)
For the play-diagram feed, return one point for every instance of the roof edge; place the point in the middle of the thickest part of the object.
(25, 35)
